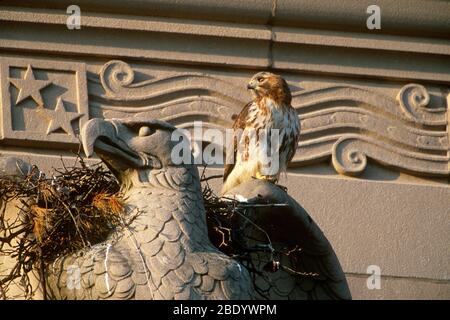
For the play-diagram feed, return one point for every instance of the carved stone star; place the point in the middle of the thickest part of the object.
(61, 119)
(29, 86)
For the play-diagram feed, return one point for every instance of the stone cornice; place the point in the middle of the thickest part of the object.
(268, 39)
(409, 17)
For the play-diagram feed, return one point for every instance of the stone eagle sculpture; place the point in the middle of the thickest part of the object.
(165, 252)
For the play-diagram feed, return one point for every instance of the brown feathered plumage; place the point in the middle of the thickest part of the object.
(254, 130)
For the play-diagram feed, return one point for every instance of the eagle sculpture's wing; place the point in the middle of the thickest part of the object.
(100, 272)
(232, 147)
(309, 268)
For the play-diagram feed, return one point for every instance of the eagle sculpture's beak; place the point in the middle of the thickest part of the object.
(91, 131)
(124, 144)
(102, 137)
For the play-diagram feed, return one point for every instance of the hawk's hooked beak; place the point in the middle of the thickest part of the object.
(251, 85)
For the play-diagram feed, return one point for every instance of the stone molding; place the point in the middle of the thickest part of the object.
(341, 122)
(204, 35)
(345, 122)
(402, 16)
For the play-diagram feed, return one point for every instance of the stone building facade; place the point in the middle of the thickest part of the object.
(373, 164)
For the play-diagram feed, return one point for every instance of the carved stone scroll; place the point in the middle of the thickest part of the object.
(347, 124)
(351, 124)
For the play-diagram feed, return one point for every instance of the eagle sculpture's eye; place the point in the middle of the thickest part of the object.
(145, 131)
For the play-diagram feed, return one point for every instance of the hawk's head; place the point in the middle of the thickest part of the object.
(270, 85)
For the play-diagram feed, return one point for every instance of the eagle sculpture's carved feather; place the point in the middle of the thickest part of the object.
(165, 252)
(254, 129)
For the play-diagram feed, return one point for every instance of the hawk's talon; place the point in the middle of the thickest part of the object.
(260, 176)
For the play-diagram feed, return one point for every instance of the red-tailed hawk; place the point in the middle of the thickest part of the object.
(266, 133)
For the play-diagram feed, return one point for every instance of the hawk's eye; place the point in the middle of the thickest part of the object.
(260, 79)
(145, 131)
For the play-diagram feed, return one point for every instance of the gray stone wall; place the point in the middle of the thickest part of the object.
(373, 164)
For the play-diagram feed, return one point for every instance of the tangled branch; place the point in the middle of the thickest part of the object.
(235, 231)
(77, 207)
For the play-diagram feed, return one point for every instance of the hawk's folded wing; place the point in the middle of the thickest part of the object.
(232, 146)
